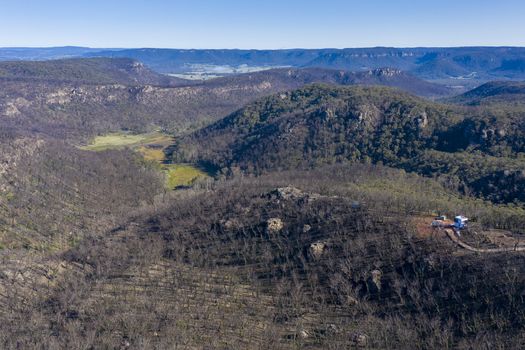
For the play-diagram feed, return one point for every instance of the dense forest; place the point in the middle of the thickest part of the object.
(323, 124)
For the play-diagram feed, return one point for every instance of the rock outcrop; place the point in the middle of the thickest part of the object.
(274, 225)
(292, 193)
(317, 249)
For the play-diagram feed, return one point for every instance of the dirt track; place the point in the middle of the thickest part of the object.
(450, 233)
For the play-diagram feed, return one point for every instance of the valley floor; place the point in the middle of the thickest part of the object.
(151, 147)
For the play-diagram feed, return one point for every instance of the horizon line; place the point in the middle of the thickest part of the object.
(258, 49)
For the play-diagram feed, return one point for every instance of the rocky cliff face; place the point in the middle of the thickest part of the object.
(385, 72)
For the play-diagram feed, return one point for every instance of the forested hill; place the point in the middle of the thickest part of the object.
(496, 92)
(87, 70)
(319, 124)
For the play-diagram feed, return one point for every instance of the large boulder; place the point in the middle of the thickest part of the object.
(290, 193)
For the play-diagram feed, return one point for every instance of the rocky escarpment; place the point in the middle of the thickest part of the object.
(81, 110)
(385, 72)
(77, 99)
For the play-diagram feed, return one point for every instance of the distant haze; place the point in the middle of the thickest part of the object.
(262, 24)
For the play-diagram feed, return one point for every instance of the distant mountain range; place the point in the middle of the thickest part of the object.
(459, 64)
(293, 78)
(126, 71)
(42, 53)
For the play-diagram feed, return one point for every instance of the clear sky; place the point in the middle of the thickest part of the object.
(261, 23)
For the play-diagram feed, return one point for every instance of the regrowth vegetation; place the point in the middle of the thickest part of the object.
(329, 263)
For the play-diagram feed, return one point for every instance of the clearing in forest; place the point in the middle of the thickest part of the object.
(151, 146)
(119, 140)
(183, 174)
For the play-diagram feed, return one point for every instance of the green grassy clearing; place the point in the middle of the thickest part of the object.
(152, 154)
(151, 146)
(123, 140)
(182, 175)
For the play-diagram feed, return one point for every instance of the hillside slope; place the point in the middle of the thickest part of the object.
(87, 70)
(52, 197)
(497, 92)
(325, 259)
(79, 111)
(320, 124)
(80, 98)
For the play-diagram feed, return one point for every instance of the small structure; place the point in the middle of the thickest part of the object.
(460, 222)
(440, 221)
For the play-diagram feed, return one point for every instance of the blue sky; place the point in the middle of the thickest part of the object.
(261, 23)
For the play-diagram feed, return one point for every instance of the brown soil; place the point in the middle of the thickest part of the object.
(424, 228)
